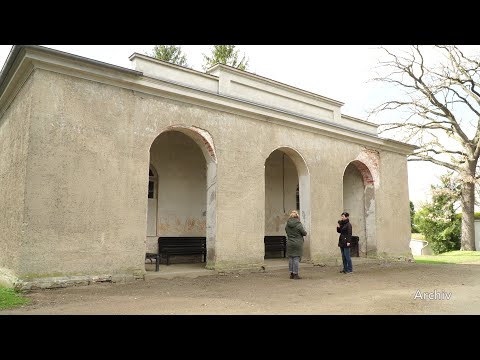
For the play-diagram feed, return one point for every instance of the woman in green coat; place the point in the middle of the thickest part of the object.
(295, 233)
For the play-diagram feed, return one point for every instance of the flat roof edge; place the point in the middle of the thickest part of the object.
(16, 49)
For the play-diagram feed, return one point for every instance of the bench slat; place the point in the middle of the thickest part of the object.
(170, 245)
(275, 243)
(182, 245)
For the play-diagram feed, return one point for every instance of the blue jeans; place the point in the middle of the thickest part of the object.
(293, 264)
(346, 259)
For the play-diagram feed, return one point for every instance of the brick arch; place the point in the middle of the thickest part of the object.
(367, 162)
(365, 172)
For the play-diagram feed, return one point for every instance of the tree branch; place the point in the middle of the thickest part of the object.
(437, 162)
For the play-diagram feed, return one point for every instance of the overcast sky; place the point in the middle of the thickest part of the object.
(340, 72)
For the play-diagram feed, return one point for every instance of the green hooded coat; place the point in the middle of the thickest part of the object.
(295, 233)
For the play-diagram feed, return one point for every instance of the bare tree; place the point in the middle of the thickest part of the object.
(441, 104)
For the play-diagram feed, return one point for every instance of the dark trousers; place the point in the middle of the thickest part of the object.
(346, 259)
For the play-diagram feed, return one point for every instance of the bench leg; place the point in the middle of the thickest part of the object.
(167, 260)
(157, 263)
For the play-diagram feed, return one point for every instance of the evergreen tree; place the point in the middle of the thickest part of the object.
(170, 53)
(225, 54)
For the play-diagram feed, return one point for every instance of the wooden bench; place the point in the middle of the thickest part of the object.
(168, 246)
(276, 243)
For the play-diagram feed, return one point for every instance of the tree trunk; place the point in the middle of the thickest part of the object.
(468, 220)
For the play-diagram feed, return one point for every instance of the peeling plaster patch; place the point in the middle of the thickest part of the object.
(367, 163)
(189, 224)
(182, 227)
(163, 227)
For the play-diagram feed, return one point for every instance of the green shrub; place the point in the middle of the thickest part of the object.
(438, 221)
(440, 230)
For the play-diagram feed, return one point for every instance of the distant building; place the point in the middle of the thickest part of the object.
(477, 234)
(97, 161)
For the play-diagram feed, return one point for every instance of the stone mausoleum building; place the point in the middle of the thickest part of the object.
(97, 161)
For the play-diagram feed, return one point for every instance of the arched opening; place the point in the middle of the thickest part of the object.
(182, 191)
(287, 187)
(359, 202)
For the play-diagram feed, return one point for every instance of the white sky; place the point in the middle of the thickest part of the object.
(339, 72)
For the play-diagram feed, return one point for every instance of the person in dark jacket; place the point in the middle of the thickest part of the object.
(345, 229)
(295, 233)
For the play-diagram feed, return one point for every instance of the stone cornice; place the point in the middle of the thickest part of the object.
(358, 120)
(174, 66)
(273, 82)
(27, 58)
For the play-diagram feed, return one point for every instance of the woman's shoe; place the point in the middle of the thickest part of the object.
(291, 275)
(296, 277)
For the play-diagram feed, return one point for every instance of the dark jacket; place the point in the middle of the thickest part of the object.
(295, 233)
(345, 231)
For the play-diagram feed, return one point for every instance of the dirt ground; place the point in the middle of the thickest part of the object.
(374, 288)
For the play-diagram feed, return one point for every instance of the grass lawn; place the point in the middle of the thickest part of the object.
(9, 298)
(452, 257)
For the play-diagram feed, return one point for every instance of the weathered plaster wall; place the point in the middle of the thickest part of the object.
(14, 137)
(369, 246)
(86, 196)
(86, 188)
(327, 159)
(392, 215)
